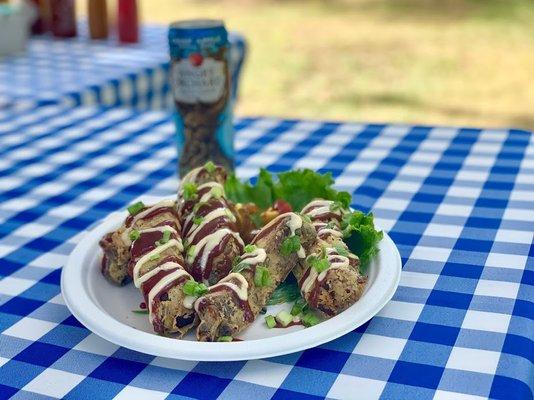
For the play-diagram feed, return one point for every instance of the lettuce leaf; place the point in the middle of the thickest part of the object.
(361, 236)
(243, 192)
(297, 187)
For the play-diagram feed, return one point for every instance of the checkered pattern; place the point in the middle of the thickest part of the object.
(84, 72)
(459, 204)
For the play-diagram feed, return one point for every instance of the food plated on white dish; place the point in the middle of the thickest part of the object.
(246, 270)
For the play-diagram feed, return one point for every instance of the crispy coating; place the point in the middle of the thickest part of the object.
(340, 287)
(116, 246)
(223, 313)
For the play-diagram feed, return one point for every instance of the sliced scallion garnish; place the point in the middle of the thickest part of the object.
(319, 264)
(193, 288)
(189, 191)
(249, 248)
(262, 277)
(164, 239)
(225, 339)
(198, 220)
(290, 245)
(217, 192)
(210, 167)
(310, 319)
(298, 307)
(190, 251)
(270, 321)
(284, 318)
(135, 207)
(134, 234)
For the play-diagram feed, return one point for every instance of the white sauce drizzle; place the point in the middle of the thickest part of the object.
(240, 289)
(330, 231)
(218, 212)
(191, 176)
(162, 204)
(139, 264)
(309, 281)
(163, 267)
(294, 223)
(208, 243)
(320, 208)
(255, 257)
(335, 261)
(209, 194)
(158, 287)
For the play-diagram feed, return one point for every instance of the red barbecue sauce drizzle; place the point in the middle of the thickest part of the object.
(324, 217)
(223, 265)
(152, 214)
(147, 286)
(311, 298)
(188, 205)
(292, 323)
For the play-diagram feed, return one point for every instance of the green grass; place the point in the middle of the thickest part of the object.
(455, 62)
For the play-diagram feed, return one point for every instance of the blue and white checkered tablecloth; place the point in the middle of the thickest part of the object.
(86, 72)
(458, 202)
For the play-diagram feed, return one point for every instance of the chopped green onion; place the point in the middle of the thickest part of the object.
(164, 239)
(136, 207)
(310, 319)
(342, 251)
(290, 245)
(198, 220)
(262, 277)
(270, 321)
(193, 288)
(217, 192)
(298, 307)
(154, 257)
(134, 234)
(284, 318)
(225, 339)
(319, 264)
(190, 251)
(266, 279)
(190, 191)
(140, 311)
(249, 248)
(210, 167)
(166, 236)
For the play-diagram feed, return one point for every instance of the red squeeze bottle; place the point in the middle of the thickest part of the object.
(63, 18)
(128, 21)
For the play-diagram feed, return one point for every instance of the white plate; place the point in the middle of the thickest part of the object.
(106, 309)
